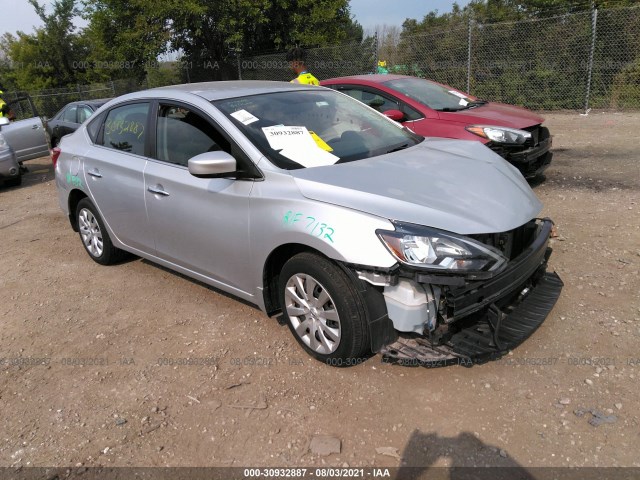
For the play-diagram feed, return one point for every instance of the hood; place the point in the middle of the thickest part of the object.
(454, 185)
(492, 113)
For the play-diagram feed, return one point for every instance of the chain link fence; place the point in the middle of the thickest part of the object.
(325, 62)
(574, 61)
(49, 102)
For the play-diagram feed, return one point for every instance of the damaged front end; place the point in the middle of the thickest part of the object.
(460, 299)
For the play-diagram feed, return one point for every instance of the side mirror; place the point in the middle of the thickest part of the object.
(4, 121)
(395, 115)
(212, 165)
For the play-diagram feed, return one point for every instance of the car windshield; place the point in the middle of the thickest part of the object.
(304, 128)
(431, 94)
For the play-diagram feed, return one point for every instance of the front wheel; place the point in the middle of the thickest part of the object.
(94, 235)
(324, 310)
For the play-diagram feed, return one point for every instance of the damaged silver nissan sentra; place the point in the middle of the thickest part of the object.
(366, 237)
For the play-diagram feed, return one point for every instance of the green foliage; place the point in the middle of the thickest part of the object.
(626, 88)
(533, 53)
(124, 39)
(46, 58)
(215, 33)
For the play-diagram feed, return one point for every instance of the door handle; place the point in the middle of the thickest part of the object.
(94, 173)
(158, 190)
(35, 127)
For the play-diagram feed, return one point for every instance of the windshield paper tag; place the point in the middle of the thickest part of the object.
(458, 94)
(244, 117)
(297, 144)
(463, 102)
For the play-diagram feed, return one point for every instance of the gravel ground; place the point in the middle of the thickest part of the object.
(92, 371)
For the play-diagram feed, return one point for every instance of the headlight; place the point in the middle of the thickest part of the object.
(429, 248)
(500, 134)
(3, 142)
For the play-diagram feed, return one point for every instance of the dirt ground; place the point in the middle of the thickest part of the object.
(133, 365)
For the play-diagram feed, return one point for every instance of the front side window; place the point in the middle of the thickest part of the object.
(69, 114)
(84, 112)
(125, 128)
(304, 128)
(182, 134)
(380, 102)
(431, 94)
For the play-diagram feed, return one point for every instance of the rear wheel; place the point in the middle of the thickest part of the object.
(323, 310)
(94, 235)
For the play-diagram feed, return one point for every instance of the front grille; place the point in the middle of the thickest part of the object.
(538, 134)
(511, 243)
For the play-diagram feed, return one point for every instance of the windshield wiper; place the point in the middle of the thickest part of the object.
(476, 103)
(401, 147)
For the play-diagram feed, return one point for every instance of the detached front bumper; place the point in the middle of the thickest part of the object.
(486, 339)
(479, 319)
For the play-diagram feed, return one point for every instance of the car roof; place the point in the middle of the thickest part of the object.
(98, 102)
(230, 89)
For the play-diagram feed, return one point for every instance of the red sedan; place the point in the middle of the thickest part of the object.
(435, 110)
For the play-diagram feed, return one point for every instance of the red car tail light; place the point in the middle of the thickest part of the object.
(55, 153)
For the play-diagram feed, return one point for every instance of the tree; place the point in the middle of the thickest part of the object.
(49, 57)
(127, 37)
(215, 33)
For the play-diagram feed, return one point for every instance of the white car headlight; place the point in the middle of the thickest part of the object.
(429, 248)
(3, 142)
(500, 134)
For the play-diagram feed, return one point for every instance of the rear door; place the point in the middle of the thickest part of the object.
(26, 134)
(113, 172)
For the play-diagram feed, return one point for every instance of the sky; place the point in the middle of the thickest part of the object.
(370, 13)
(21, 16)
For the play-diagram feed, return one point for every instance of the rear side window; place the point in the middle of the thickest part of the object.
(125, 128)
(93, 129)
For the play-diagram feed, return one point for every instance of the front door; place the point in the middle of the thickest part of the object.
(199, 224)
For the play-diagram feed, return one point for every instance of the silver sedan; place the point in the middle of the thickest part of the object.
(365, 236)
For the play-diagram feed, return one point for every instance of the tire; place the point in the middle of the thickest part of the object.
(332, 327)
(14, 182)
(94, 235)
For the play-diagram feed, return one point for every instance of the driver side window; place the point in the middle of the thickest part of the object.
(182, 134)
(382, 103)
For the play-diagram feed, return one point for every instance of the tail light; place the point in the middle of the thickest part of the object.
(55, 153)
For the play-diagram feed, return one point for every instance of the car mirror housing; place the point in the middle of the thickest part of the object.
(212, 165)
(395, 115)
